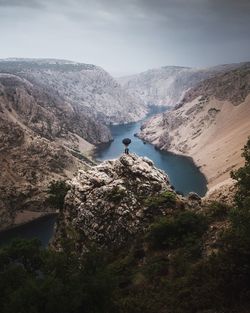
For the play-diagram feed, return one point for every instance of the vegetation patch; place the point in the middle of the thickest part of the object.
(57, 191)
(164, 271)
(172, 232)
(166, 198)
(116, 194)
(218, 211)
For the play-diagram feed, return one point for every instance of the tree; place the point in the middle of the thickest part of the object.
(57, 191)
(242, 176)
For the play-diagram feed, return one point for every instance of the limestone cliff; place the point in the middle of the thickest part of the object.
(211, 124)
(41, 138)
(52, 113)
(89, 89)
(167, 85)
(111, 205)
(107, 205)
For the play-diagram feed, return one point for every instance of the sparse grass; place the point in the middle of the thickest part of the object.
(166, 198)
(116, 195)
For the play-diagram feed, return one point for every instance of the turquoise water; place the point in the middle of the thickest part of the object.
(183, 173)
(42, 228)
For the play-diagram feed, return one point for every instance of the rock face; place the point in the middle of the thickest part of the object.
(41, 138)
(211, 124)
(87, 88)
(166, 86)
(52, 112)
(107, 205)
(46, 113)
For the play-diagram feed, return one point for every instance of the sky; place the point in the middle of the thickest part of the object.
(127, 36)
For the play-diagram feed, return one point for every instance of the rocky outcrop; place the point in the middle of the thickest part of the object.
(112, 205)
(211, 125)
(52, 113)
(41, 138)
(87, 88)
(108, 204)
(46, 113)
(166, 86)
(233, 86)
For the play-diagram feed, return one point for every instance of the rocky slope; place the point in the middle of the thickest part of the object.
(42, 137)
(107, 205)
(211, 124)
(167, 85)
(88, 88)
(111, 204)
(52, 113)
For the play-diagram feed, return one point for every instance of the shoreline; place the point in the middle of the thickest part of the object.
(212, 185)
(28, 221)
(200, 167)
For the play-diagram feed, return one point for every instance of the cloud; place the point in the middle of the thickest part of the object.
(129, 35)
(22, 3)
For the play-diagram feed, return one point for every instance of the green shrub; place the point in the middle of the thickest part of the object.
(218, 211)
(34, 280)
(57, 191)
(155, 267)
(177, 231)
(166, 198)
(242, 176)
(116, 194)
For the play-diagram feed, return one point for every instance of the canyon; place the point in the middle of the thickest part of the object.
(210, 124)
(53, 113)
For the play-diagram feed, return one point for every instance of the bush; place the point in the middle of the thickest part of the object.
(177, 231)
(166, 198)
(116, 194)
(156, 266)
(57, 191)
(218, 211)
(34, 280)
(242, 176)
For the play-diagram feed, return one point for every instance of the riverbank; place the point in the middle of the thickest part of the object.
(184, 175)
(213, 133)
(202, 162)
(25, 217)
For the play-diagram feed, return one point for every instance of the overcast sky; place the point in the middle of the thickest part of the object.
(127, 36)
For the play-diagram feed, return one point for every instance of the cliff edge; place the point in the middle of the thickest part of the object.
(109, 204)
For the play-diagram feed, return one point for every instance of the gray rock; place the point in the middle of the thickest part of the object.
(193, 196)
(111, 213)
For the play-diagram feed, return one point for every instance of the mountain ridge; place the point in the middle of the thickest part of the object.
(167, 85)
(85, 86)
(211, 124)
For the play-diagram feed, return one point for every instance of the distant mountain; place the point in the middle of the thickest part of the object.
(211, 124)
(167, 85)
(86, 87)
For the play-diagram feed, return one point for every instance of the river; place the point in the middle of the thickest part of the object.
(183, 174)
(42, 228)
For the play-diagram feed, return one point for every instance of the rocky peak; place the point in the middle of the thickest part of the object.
(109, 203)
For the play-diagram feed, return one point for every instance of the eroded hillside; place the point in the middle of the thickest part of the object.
(42, 138)
(86, 87)
(166, 86)
(211, 124)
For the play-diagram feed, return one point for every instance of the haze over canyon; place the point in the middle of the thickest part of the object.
(54, 112)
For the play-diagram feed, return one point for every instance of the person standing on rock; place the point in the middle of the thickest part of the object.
(126, 142)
